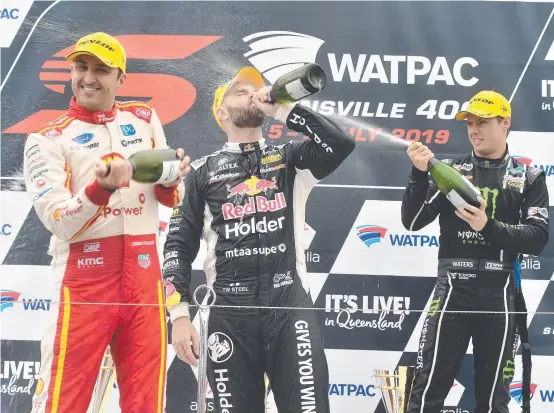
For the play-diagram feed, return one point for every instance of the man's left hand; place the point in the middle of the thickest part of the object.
(184, 168)
(475, 217)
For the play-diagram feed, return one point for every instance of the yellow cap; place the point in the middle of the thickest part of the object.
(105, 47)
(245, 74)
(487, 104)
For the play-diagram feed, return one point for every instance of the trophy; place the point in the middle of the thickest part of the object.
(203, 313)
(396, 386)
(104, 383)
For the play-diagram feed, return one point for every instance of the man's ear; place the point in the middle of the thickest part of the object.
(507, 122)
(122, 78)
(222, 113)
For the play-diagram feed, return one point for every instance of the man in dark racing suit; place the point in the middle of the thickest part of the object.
(249, 199)
(478, 266)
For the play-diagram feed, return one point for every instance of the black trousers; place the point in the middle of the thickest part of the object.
(467, 285)
(244, 344)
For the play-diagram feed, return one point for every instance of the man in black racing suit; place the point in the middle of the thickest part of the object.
(478, 266)
(249, 199)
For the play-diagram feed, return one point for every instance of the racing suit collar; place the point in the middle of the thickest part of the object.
(491, 163)
(244, 147)
(85, 115)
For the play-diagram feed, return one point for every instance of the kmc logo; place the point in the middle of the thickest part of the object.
(171, 95)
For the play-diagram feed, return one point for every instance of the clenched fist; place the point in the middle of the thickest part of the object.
(119, 174)
(420, 155)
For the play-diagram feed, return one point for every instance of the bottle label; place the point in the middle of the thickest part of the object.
(170, 172)
(296, 90)
(471, 185)
(455, 199)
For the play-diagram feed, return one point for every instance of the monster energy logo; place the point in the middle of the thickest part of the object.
(509, 370)
(493, 194)
(434, 306)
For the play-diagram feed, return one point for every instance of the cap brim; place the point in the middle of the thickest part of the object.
(249, 75)
(462, 115)
(74, 55)
(218, 99)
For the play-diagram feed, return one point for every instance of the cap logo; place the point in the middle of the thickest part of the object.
(105, 45)
(486, 101)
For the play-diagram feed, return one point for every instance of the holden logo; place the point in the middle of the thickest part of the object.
(220, 347)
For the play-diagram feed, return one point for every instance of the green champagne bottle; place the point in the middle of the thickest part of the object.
(456, 187)
(293, 86)
(155, 166)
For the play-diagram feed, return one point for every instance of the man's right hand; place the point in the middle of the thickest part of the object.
(420, 155)
(183, 334)
(120, 175)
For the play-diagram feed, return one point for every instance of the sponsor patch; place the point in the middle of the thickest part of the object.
(537, 211)
(220, 347)
(84, 138)
(271, 158)
(144, 260)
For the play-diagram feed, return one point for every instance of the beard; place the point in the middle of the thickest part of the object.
(251, 117)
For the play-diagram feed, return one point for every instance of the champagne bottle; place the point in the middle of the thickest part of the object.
(155, 166)
(456, 187)
(293, 86)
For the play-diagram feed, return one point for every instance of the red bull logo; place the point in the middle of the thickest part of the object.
(260, 203)
(252, 186)
(257, 204)
(172, 297)
(169, 288)
(240, 189)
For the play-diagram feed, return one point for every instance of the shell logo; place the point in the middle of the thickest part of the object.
(110, 157)
(40, 387)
